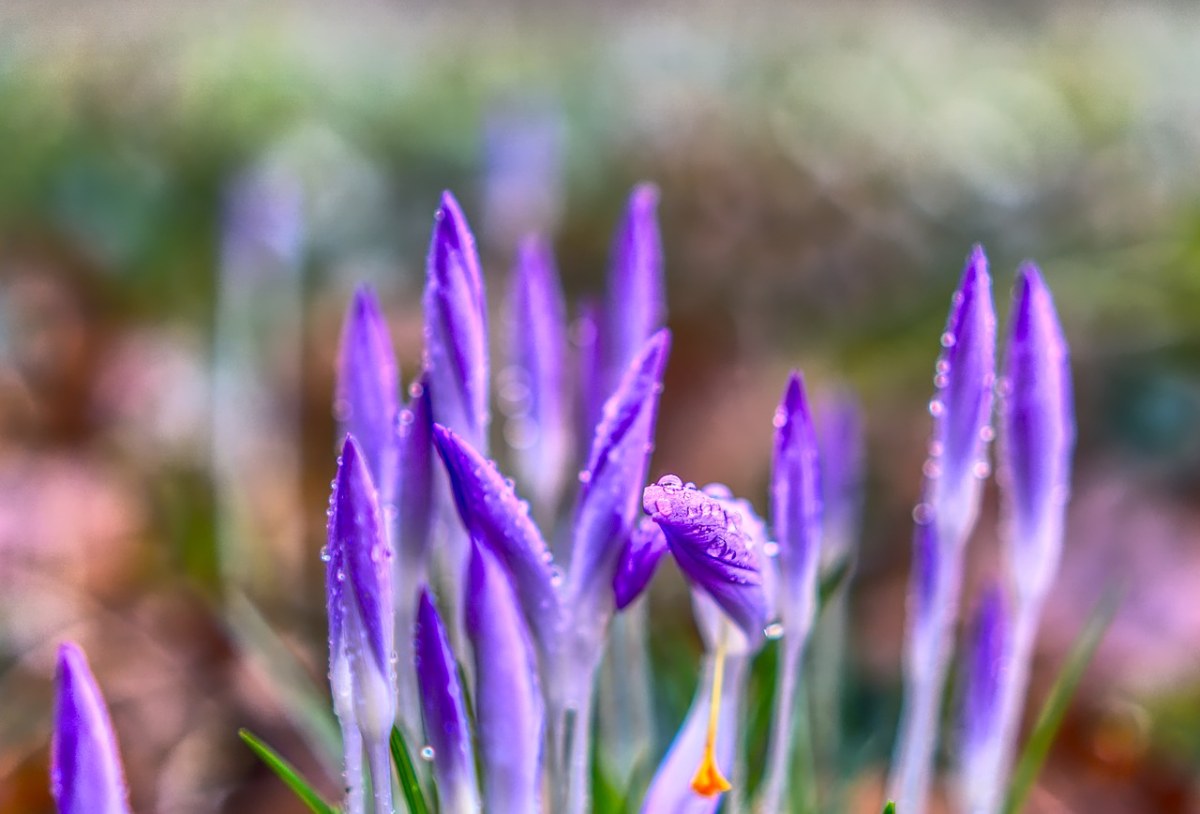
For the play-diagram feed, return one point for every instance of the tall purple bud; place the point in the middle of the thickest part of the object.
(982, 703)
(456, 341)
(1037, 435)
(957, 465)
(538, 425)
(446, 727)
(366, 397)
(85, 768)
(361, 624)
(636, 303)
(508, 700)
(796, 513)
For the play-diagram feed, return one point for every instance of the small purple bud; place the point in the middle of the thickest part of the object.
(508, 701)
(538, 418)
(636, 304)
(366, 397)
(639, 559)
(496, 517)
(796, 506)
(446, 725)
(359, 599)
(713, 551)
(962, 402)
(456, 339)
(1037, 418)
(85, 768)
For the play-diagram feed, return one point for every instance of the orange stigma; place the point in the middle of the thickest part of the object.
(708, 781)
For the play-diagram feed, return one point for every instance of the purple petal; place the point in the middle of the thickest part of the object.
(840, 440)
(85, 768)
(984, 675)
(497, 518)
(1037, 414)
(616, 470)
(593, 384)
(414, 499)
(671, 790)
(508, 701)
(456, 328)
(712, 550)
(359, 597)
(636, 305)
(962, 403)
(366, 396)
(796, 504)
(446, 726)
(639, 558)
(541, 436)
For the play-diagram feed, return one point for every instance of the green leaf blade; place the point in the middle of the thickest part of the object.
(287, 773)
(410, 784)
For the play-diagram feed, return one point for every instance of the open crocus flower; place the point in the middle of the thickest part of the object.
(719, 550)
(361, 626)
(85, 767)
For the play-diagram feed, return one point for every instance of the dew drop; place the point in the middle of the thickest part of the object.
(325, 555)
(670, 483)
(948, 340)
(771, 548)
(416, 390)
(936, 408)
(773, 630)
(942, 367)
(780, 419)
(987, 434)
(932, 469)
(405, 417)
(922, 513)
(981, 469)
(940, 381)
(585, 476)
(427, 753)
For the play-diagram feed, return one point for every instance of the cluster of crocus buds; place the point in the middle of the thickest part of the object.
(476, 621)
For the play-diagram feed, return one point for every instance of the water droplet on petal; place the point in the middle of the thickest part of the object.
(936, 408)
(670, 483)
(981, 469)
(427, 753)
(948, 340)
(932, 469)
(585, 476)
(922, 513)
(325, 556)
(773, 630)
(771, 548)
(987, 434)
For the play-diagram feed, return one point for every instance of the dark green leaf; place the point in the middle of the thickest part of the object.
(890, 808)
(1055, 707)
(287, 773)
(833, 580)
(410, 784)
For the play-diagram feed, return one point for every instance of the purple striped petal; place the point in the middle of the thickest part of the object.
(446, 727)
(962, 403)
(713, 551)
(359, 597)
(456, 342)
(497, 518)
(639, 559)
(840, 441)
(636, 304)
(85, 768)
(1037, 415)
(796, 505)
(366, 398)
(616, 470)
(539, 419)
(414, 500)
(508, 700)
(985, 675)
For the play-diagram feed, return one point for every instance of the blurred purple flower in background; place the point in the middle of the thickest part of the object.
(85, 768)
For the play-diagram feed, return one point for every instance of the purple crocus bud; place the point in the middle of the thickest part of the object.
(712, 550)
(497, 518)
(636, 305)
(456, 328)
(639, 559)
(796, 507)
(616, 470)
(982, 704)
(840, 441)
(508, 700)
(366, 397)
(446, 726)
(85, 768)
(414, 495)
(1037, 418)
(359, 597)
(962, 404)
(538, 429)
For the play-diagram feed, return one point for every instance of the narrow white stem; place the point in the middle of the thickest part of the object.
(352, 747)
(626, 720)
(381, 776)
(779, 751)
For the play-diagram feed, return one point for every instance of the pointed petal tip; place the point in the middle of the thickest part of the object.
(644, 197)
(795, 396)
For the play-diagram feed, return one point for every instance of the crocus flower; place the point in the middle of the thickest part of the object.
(446, 726)
(796, 512)
(508, 700)
(361, 625)
(539, 421)
(456, 350)
(366, 398)
(982, 703)
(961, 408)
(639, 559)
(636, 304)
(85, 768)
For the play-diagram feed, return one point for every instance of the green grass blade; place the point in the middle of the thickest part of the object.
(287, 773)
(410, 785)
(1051, 715)
(890, 808)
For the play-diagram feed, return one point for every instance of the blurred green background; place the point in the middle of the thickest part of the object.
(188, 194)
